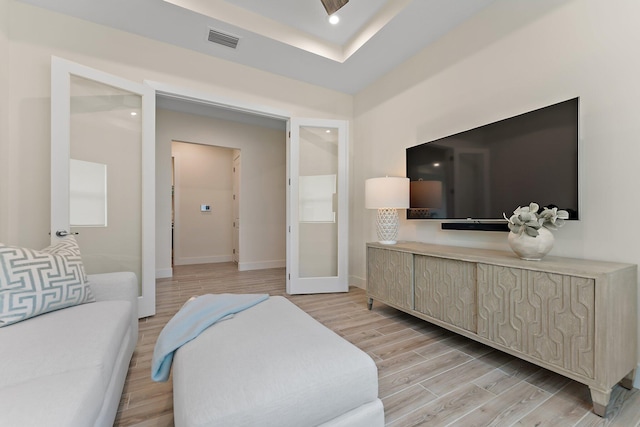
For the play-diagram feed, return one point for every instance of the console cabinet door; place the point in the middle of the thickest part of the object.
(390, 276)
(445, 289)
(545, 315)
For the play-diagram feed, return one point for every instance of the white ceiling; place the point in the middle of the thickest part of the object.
(311, 17)
(291, 38)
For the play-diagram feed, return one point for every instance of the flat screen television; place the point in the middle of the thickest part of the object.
(479, 174)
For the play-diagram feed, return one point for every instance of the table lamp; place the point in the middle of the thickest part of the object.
(387, 195)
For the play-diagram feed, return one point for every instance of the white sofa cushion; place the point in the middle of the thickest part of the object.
(35, 282)
(68, 399)
(84, 337)
(67, 368)
(270, 365)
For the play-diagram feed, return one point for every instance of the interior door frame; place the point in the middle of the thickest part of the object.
(208, 99)
(199, 97)
(237, 167)
(61, 72)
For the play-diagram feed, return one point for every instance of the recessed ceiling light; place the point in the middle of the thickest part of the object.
(436, 164)
(328, 131)
(133, 113)
(334, 19)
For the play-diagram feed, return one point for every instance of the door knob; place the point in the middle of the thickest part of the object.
(62, 233)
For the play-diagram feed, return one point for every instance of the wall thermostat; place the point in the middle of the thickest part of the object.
(205, 208)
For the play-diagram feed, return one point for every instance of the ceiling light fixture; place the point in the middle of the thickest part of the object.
(334, 19)
(332, 6)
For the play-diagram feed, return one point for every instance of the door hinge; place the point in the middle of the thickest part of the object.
(234, 251)
(289, 229)
(289, 181)
(289, 277)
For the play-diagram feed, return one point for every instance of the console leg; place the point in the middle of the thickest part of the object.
(370, 303)
(600, 401)
(627, 382)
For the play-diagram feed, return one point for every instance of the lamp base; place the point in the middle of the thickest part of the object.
(388, 223)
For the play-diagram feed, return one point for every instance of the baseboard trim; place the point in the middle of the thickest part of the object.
(261, 265)
(358, 282)
(203, 260)
(163, 273)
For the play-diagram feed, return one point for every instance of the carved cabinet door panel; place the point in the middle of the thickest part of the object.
(545, 315)
(390, 276)
(446, 290)
(375, 274)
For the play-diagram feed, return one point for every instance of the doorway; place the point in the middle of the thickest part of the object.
(266, 219)
(203, 203)
(260, 146)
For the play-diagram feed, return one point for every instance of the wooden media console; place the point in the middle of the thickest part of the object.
(574, 317)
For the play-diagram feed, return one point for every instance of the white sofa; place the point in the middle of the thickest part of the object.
(273, 365)
(68, 367)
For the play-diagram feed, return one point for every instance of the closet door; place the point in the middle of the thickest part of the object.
(102, 171)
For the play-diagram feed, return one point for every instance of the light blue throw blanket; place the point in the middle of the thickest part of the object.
(193, 318)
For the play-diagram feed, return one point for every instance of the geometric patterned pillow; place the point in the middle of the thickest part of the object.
(37, 282)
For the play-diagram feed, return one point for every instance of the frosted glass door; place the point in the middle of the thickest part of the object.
(106, 129)
(100, 172)
(318, 207)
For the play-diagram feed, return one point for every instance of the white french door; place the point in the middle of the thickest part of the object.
(317, 207)
(103, 171)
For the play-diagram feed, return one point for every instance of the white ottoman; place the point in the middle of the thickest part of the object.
(274, 365)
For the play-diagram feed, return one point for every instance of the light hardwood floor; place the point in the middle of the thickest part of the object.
(427, 375)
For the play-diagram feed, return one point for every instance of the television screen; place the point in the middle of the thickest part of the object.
(484, 172)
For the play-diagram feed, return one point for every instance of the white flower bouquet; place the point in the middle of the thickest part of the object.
(528, 220)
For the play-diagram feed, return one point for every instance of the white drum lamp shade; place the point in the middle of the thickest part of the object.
(387, 195)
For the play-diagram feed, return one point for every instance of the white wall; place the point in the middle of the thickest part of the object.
(516, 56)
(202, 177)
(262, 184)
(4, 119)
(36, 34)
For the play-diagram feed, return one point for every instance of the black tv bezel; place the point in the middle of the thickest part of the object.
(499, 224)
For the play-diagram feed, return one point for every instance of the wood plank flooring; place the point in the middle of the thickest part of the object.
(427, 375)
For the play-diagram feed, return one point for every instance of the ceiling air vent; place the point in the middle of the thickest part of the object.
(228, 40)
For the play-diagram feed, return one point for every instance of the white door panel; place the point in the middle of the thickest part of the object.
(105, 127)
(317, 260)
